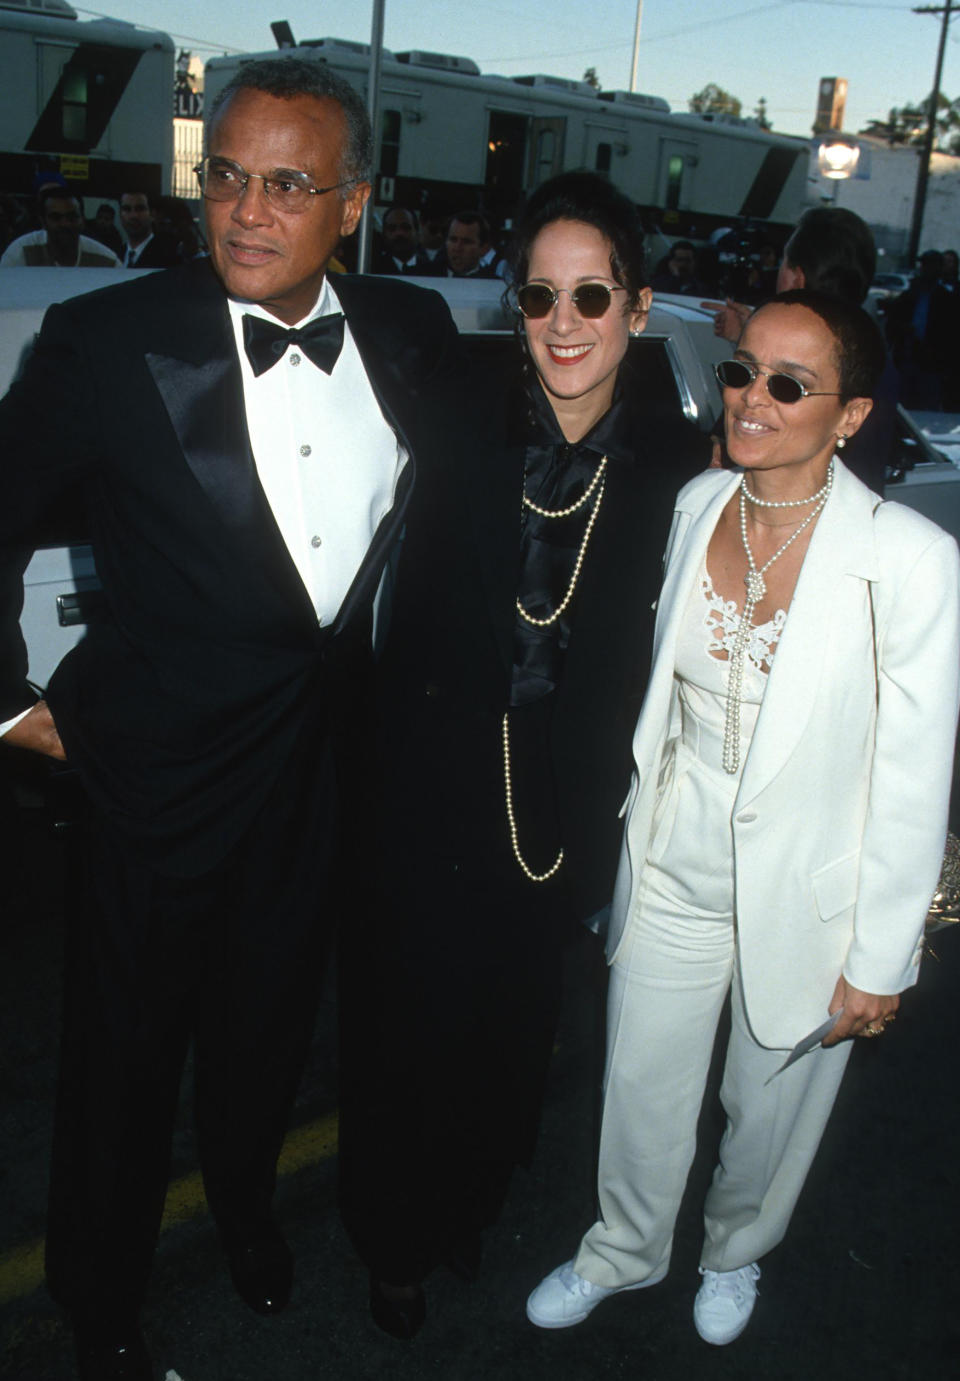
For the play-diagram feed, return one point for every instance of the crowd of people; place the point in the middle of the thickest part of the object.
(50, 230)
(387, 651)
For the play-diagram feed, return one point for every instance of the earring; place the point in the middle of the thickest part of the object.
(841, 442)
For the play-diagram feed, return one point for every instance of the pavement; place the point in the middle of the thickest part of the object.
(866, 1283)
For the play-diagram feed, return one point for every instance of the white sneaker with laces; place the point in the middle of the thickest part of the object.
(564, 1298)
(725, 1302)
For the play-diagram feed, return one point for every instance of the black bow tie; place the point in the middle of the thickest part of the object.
(321, 340)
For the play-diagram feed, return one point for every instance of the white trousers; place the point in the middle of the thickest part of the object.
(667, 990)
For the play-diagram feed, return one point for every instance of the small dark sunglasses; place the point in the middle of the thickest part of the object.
(591, 300)
(783, 388)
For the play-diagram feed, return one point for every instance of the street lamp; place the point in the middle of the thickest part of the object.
(837, 159)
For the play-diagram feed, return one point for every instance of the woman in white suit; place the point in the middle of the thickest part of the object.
(787, 817)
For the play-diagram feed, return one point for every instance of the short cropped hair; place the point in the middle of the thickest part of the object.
(858, 345)
(54, 192)
(287, 77)
(836, 251)
(476, 218)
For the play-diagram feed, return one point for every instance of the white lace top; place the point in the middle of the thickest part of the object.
(706, 636)
(722, 621)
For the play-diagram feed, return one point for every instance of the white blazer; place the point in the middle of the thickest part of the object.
(839, 823)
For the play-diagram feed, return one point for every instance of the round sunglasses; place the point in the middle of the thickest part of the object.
(591, 300)
(783, 388)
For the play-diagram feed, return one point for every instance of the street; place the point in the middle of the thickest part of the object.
(867, 1281)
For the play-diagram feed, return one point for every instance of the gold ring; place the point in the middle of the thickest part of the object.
(872, 1030)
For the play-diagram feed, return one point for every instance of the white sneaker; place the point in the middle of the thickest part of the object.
(564, 1298)
(725, 1302)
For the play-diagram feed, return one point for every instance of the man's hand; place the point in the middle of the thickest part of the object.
(37, 733)
(863, 1013)
(729, 319)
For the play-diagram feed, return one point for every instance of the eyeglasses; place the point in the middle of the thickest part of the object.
(783, 388)
(223, 180)
(591, 300)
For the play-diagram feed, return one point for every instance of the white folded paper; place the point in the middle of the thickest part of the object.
(807, 1044)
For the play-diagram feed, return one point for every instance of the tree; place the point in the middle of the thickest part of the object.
(713, 100)
(907, 124)
(591, 78)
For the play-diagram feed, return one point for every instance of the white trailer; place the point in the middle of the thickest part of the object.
(90, 100)
(454, 136)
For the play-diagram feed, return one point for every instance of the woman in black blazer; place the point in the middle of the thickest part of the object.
(499, 751)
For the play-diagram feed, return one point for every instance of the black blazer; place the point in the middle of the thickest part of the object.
(444, 677)
(182, 703)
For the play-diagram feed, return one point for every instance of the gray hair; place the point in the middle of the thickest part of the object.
(290, 77)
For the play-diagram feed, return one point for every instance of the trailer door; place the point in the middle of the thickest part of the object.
(506, 158)
(600, 143)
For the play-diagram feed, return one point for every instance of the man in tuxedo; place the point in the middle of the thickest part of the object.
(400, 251)
(246, 484)
(145, 248)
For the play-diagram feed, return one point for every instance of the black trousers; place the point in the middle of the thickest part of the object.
(232, 960)
(448, 1006)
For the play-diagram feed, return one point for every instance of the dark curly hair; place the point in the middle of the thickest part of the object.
(286, 78)
(593, 200)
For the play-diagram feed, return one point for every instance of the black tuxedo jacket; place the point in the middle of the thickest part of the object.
(162, 252)
(183, 702)
(444, 677)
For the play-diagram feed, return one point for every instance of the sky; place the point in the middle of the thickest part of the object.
(778, 50)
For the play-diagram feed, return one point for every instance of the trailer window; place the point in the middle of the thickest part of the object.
(74, 106)
(674, 181)
(604, 154)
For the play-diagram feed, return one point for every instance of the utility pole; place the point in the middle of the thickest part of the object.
(373, 106)
(636, 47)
(923, 172)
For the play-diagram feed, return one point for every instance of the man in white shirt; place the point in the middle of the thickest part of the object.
(247, 434)
(59, 242)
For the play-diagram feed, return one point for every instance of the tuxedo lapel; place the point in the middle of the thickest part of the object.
(197, 374)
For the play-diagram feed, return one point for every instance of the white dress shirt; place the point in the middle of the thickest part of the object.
(327, 459)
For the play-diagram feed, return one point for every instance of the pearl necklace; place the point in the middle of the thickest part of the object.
(565, 512)
(598, 483)
(787, 503)
(512, 820)
(756, 589)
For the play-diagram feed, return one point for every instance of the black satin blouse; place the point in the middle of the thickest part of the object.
(556, 474)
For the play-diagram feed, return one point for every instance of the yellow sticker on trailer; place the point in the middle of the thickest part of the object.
(73, 165)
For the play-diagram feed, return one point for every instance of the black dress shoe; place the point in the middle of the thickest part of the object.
(463, 1257)
(401, 1318)
(120, 1357)
(262, 1274)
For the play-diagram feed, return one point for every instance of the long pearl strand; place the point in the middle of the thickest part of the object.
(599, 479)
(512, 820)
(596, 484)
(756, 589)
